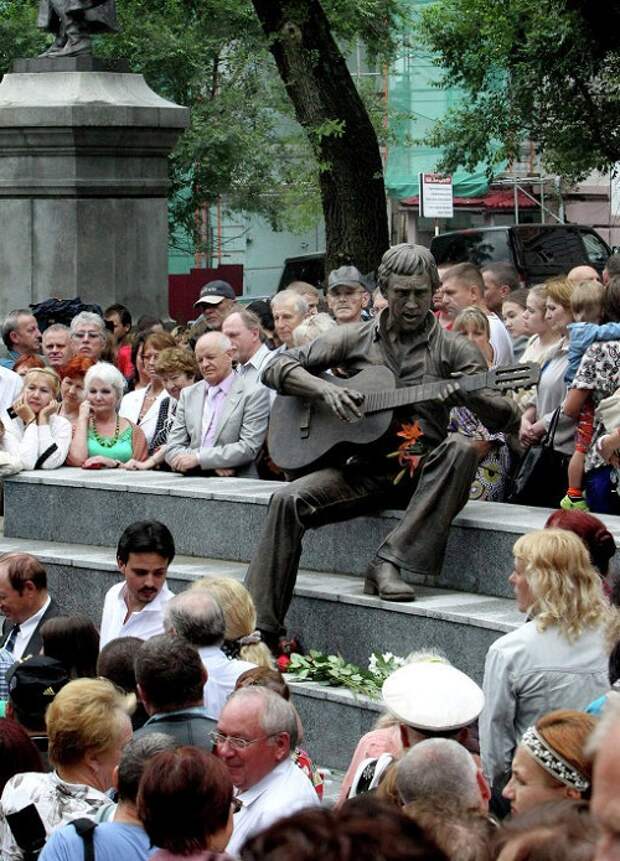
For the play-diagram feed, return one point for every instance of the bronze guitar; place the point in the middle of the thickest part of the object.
(302, 430)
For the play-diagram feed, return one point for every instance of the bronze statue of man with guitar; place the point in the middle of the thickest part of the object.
(377, 439)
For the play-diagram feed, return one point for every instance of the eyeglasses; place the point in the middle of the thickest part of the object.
(80, 336)
(234, 741)
(236, 805)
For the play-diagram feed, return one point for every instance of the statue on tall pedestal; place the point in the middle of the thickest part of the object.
(73, 22)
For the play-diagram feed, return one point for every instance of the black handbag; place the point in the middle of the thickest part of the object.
(542, 477)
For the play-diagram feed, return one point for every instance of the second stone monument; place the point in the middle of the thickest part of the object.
(84, 149)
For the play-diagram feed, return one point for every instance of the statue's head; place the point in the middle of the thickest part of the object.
(408, 276)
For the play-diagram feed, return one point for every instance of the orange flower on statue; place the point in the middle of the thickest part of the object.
(409, 452)
(410, 433)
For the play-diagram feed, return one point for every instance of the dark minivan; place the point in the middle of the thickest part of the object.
(538, 251)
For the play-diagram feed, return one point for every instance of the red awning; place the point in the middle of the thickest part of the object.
(496, 199)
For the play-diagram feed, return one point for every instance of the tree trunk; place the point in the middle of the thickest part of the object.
(331, 111)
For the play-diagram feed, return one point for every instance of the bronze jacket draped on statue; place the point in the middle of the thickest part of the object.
(100, 15)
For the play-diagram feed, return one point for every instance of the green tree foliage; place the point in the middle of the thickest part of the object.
(19, 36)
(529, 69)
(244, 144)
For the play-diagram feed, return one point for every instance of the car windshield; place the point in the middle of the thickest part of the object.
(476, 246)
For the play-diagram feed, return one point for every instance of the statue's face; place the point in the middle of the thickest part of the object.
(409, 301)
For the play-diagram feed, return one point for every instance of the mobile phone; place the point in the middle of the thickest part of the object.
(27, 829)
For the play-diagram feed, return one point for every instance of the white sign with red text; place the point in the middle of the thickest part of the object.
(436, 199)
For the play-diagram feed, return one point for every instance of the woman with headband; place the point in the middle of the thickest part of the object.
(550, 763)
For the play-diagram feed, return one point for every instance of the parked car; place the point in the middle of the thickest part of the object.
(306, 267)
(537, 251)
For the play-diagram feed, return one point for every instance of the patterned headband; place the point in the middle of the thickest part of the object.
(552, 762)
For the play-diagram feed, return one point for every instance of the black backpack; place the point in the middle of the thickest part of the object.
(60, 311)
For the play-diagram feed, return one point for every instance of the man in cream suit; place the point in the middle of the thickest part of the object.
(221, 422)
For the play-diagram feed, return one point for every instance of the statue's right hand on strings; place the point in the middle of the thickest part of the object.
(344, 402)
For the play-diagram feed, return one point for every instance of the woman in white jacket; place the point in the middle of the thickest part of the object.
(34, 433)
(557, 659)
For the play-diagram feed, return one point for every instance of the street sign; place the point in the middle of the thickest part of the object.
(614, 203)
(436, 199)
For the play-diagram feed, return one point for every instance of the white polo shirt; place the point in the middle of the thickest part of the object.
(282, 792)
(501, 342)
(222, 673)
(144, 624)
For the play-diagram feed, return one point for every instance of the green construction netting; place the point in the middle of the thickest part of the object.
(411, 95)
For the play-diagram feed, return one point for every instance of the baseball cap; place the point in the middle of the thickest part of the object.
(432, 696)
(33, 683)
(348, 276)
(213, 293)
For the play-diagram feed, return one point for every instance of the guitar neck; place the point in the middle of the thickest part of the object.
(393, 398)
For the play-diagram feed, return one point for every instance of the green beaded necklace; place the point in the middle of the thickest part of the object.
(106, 441)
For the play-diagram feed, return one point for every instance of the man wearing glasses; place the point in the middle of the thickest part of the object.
(256, 733)
(88, 335)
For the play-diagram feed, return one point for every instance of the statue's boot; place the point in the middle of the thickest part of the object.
(383, 579)
(59, 42)
(77, 39)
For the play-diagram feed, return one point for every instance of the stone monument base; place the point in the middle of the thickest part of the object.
(85, 63)
(84, 184)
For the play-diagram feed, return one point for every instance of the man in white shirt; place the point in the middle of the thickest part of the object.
(196, 617)
(462, 287)
(25, 603)
(256, 733)
(135, 607)
(245, 332)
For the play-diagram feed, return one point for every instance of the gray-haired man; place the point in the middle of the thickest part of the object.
(256, 733)
(196, 617)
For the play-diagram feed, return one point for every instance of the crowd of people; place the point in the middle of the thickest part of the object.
(166, 731)
(103, 393)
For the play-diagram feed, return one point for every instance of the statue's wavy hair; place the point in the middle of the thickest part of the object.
(407, 259)
(566, 588)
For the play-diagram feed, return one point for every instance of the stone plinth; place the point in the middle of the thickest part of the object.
(83, 186)
(222, 518)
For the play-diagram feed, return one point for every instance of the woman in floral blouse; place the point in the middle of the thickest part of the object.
(599, 376)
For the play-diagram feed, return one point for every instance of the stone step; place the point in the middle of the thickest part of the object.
(221, 518)
(331, 614)
(329, 611)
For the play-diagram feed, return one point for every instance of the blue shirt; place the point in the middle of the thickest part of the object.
(113, 841)
(9, 360)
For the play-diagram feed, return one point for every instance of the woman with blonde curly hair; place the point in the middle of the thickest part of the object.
(550, 763)
(87, 726)
(242, 639)
(558, 659)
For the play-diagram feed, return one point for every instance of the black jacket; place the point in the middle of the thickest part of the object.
(186, 726)
(34, 644)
